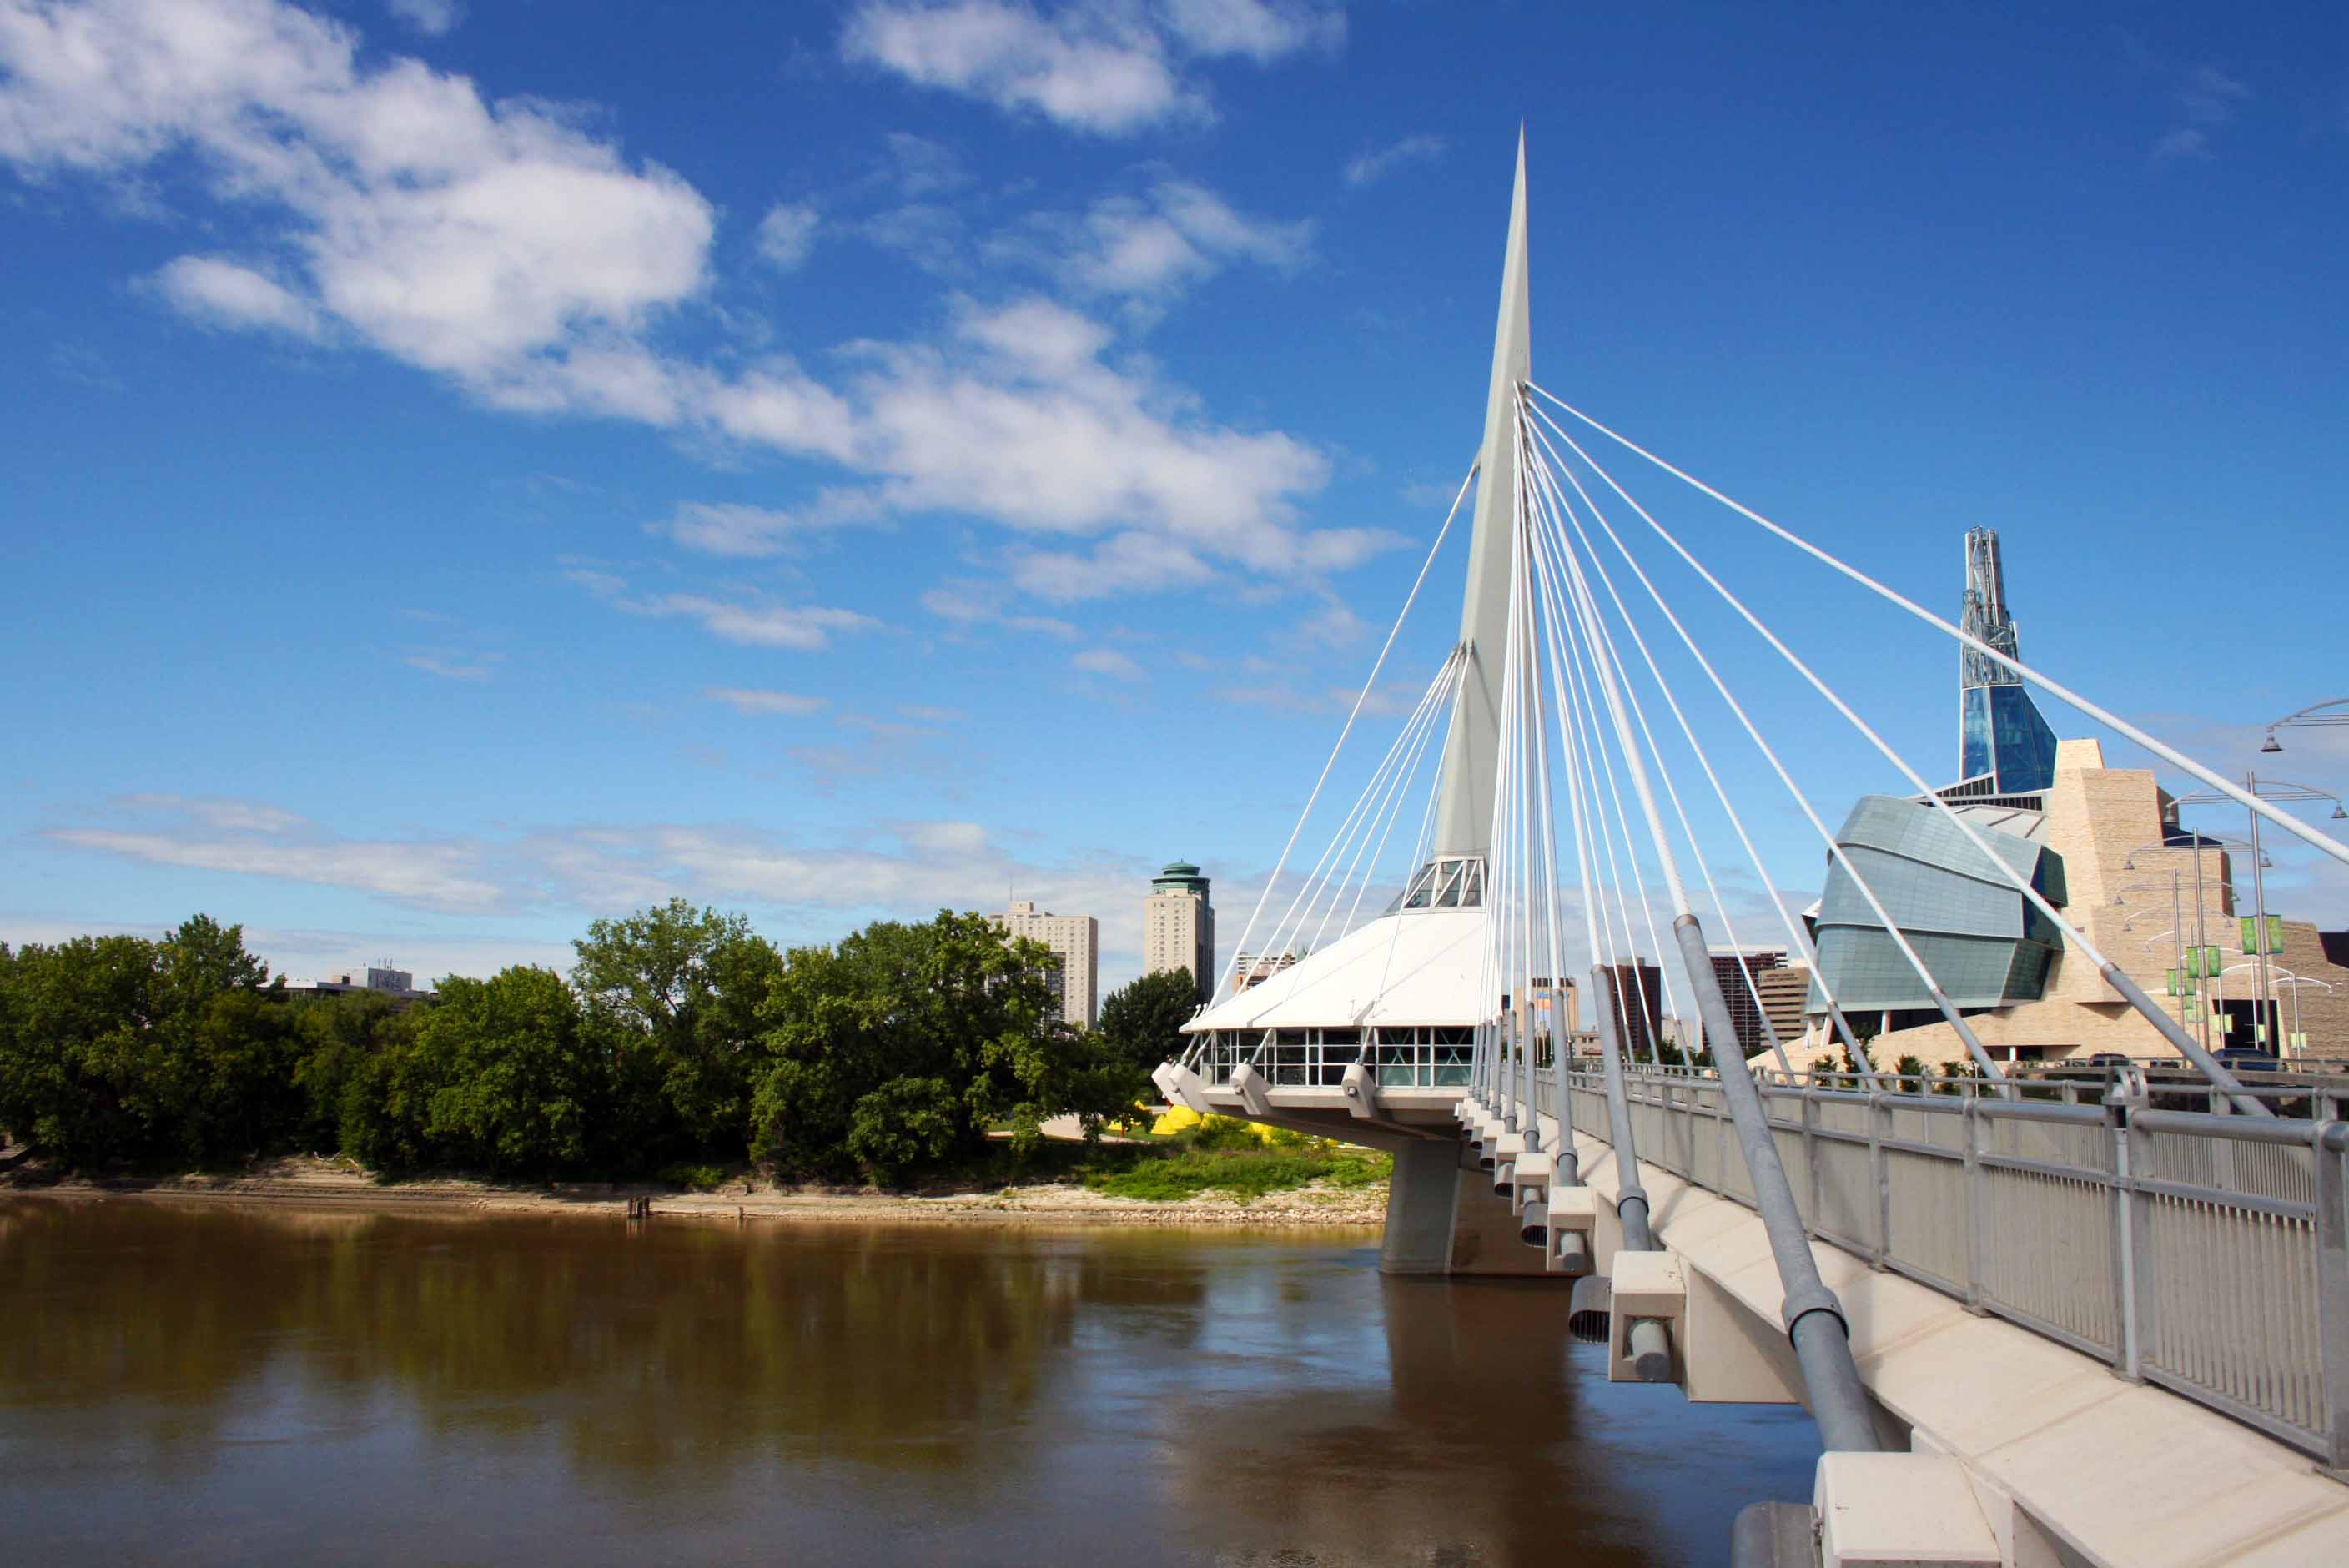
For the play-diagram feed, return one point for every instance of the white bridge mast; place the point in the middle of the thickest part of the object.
(1464, 816)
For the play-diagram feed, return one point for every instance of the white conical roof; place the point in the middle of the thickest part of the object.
(1413, 967)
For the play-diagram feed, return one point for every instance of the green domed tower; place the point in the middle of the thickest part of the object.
(1179, 926)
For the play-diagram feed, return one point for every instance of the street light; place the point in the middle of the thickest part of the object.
(2276, 789)
(2286, 977)
(2196, 842)
(2330, 711)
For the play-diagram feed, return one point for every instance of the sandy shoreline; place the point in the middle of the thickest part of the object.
(324, 1183)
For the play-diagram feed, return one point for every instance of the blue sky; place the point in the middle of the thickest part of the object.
(474, 467)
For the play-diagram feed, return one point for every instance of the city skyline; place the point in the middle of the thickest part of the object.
(390, 603)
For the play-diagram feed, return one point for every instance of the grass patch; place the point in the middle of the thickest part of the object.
(1212, 1159)
(1220, 1154)
(692, 1177)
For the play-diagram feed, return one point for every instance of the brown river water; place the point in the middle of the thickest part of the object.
(217, 1384)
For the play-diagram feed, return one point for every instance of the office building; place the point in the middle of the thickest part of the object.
(1637, 988)
(1777, 994)
(1179, 926)
(1075, 941)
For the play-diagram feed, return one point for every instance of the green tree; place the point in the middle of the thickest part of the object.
(517, 1078)
(73, 1058)
(116, 1048)
(1143, 1019)
(895, 1050)
(335, 1038)
(682, 988)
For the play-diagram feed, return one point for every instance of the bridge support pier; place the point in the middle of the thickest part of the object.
(1443, 1217)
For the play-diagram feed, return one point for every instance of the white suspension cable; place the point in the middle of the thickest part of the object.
(1310, 892)
(2117, 978)
(1948, 1009)
(1403, 791)
(1604, 836)
(1232, 974)
(1559, 507)
(1835, 850)
(1580, 634)
(1424, 847)
(1415, 733)
(2284, 819)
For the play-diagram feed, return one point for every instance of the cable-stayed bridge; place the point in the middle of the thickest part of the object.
(2098, 1320)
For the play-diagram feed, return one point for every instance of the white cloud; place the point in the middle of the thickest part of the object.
(227, 294)
(2205, 98)
(1107, 67)
(978, 603)
(922, 713)
(803, 891)
(499, 244)
(1153, 247)
(1108, 662)
(228, 815)
(927, 234)
(1370, 168)
(787, 233)
(453, 665)
(267, 841)
(2186, 141)
(1129, 562)
(746, 700)
(803, 626)
(486, 240)
(1026, 426)
(1263, 30)
(430, 17)
(919, 167)
(733, 528)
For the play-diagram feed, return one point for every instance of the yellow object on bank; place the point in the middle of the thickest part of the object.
(1181, 1119)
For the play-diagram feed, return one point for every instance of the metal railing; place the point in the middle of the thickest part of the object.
(1305, 1058)
(2207, 1253)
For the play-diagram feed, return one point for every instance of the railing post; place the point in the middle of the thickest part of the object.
(2132, 1276)
(2331, 1148)
(1977, 1203)
(1879, 1128)
(1810, 1161)
(2144, 1259)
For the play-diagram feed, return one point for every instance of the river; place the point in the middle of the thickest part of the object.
(213, 1384)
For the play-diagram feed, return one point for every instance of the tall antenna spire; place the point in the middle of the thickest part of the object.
(1463, 819)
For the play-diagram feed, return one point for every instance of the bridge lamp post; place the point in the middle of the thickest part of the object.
(2272, 789)
(2332, 711)
(2201, 930)
(2282, 978)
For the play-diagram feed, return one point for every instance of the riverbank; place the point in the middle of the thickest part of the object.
(300, 1181)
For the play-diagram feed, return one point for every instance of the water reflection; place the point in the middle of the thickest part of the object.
(225, 1384)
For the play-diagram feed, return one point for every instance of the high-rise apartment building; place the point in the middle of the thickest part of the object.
(1781, 987)
(1636, 989)
(1075, 940)
(1179, 926)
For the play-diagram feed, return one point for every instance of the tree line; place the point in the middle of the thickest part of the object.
(679, 1035)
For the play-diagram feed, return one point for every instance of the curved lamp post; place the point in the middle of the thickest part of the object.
(2178, 922)
(2332, 711)
(2286, 977)
(2274, 789)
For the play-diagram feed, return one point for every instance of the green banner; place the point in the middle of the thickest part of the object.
(2250, 924)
